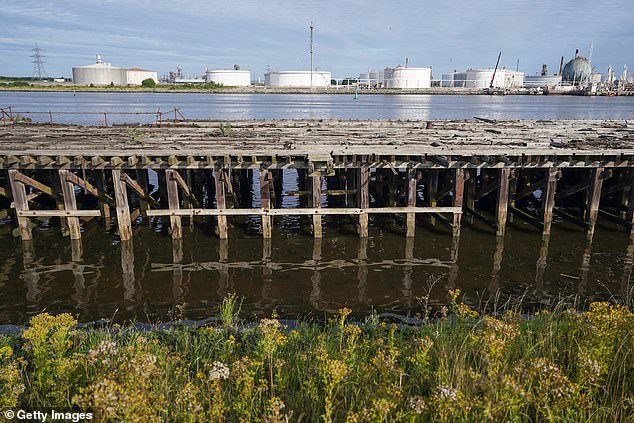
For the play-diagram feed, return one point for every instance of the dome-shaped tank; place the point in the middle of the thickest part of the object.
(577, 71)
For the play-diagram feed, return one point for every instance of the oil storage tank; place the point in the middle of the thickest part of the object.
(578, 71)
(402, 77)
(99, 73)
(229, 77)
(297, 79)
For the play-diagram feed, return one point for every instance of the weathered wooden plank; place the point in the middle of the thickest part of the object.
(458, 196)
(36, 185)
(594, 196)
(123, 210)
(303, 211)
(104, 206)
(59, 213)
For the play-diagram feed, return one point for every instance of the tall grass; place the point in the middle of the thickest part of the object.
(558, 365)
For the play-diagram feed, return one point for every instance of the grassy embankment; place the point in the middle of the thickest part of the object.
(558, 365)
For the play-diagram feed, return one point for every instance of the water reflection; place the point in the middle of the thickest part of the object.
(297, 274)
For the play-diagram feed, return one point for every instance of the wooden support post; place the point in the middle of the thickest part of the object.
(316, 202)
(59, 202)
(143, 180)
(458, 194)
(265, 202)
(100, 182)
(392, 181)
(20, 203)
(123, 211)
(411, 202)
(503, 200)
(594, 197)
(162, 187)
(431, 189)
(174, 203)
(470, 191)
(512, 191)
(221, 202)
(548, 198)
(70, 203)
(363, 198)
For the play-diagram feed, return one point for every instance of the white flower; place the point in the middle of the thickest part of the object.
(219, 371)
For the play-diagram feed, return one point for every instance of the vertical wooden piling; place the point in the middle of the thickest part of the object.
(548, 198)
(458, 194)
(174, 203)
(100, 182)
(431, 189)
(143, 180)
(20, 203)
(316, 203)
(411, 202)
(123, 211)
(363, 198)
(265, 202)
(503, 200)
(594, 197)
(70, 203)
(221, 202)
(512, 191)
(59, 201)
(469, 195)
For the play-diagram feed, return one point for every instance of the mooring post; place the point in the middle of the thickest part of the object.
(100, 182)
(20, 203)
(458, 194)
(70, 203)
(363, 198)
(503, 200)
(594, 197)
(548, 197)
(174, 203)
(221, 204)
(316, 203)
(265, 202)
(411, 202)
(123, 211)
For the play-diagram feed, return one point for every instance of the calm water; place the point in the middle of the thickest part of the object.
(299, 106)
(100, 277)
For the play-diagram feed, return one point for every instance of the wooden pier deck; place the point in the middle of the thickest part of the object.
(479, 168)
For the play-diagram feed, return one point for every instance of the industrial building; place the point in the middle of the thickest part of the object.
(543, 80)
(101, 73)
(370, 78)
(403, 77)
(229, 77)
(297, 79)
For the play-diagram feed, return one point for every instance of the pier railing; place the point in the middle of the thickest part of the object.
(9, 116)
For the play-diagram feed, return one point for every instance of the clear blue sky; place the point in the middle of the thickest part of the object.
(350, 36)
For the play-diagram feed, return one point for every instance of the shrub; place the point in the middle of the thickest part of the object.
(148, 83)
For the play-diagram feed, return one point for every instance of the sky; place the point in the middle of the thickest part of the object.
(349, 37)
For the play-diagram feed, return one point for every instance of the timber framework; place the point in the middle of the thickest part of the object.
(442, 172)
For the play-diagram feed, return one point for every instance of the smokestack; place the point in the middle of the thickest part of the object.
(406, 61)
(561, 66)
(544, 69)
(576, 53)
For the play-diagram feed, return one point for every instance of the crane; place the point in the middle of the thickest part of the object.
(495, 70)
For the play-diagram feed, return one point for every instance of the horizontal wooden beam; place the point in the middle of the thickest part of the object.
(302, 212)
(58, 213)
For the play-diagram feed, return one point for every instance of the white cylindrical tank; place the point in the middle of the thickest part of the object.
(136, 76)
(447, 80)
(408, 78)
(480, 78)
(229, 77)
(99, 73)
(297, 79)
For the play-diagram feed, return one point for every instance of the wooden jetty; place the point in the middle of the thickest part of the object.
(487, 171)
